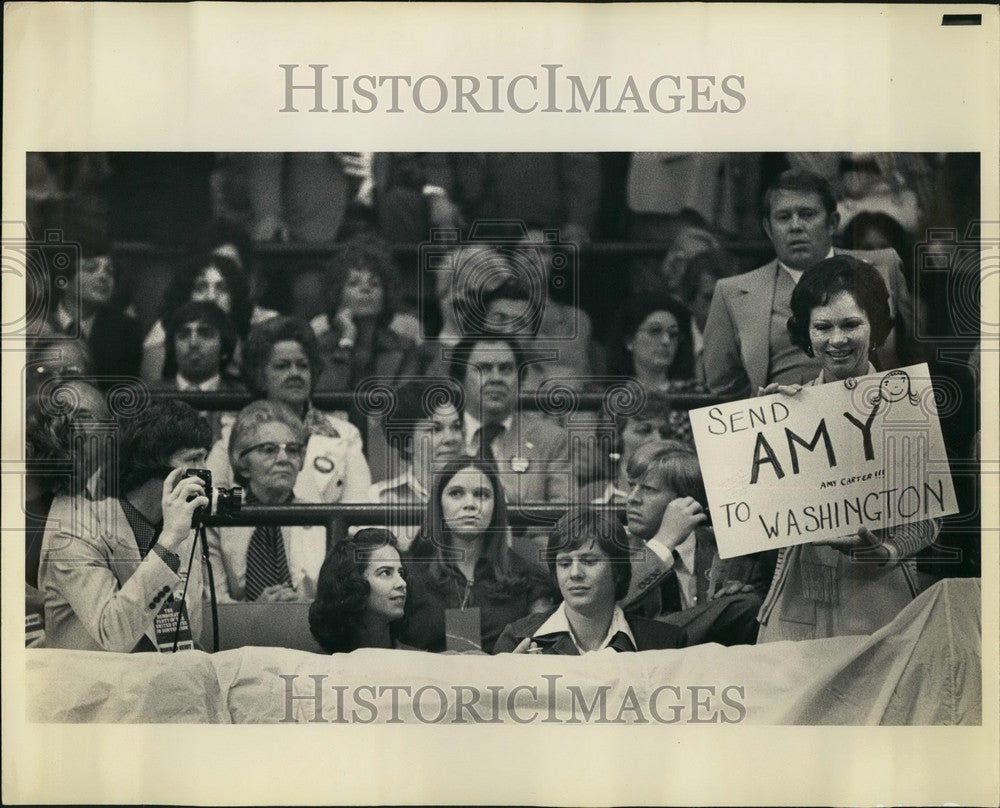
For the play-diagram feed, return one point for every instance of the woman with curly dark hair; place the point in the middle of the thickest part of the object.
(355, 338)
(461, 570)
(652, 340)
(361, 594)
(652, 343)
(853, 584)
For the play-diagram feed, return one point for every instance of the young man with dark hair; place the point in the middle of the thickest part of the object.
(113, 570)
(588, 557)
(201, 340)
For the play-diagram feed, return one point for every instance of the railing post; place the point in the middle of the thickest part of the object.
(336, 531)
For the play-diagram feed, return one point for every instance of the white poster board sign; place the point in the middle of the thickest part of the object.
(783, 469)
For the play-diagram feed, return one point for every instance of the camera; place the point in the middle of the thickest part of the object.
(462, 274)
(47, 269)
(221, 501)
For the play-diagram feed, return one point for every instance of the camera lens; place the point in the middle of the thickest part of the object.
(228, 501)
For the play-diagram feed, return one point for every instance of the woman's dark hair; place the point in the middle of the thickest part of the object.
(147, 440)
(261, 342)
(584, 526)
(182, 285)
(633, 314)
(894, 233)
(364, 252)
(825, 280)
(433, 542)
(199, 311)
(222, 237)
(416, 401)
(338, 612)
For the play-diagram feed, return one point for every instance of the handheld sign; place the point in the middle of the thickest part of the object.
(782, 470)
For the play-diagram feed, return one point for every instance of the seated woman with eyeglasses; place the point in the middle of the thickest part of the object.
(266, 562)
(652, 342)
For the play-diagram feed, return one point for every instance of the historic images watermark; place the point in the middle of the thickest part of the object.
(321, 88)
(314, 699)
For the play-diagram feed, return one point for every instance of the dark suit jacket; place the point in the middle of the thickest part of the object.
(737, 333)
(392, 359)
(534, 461)
(549, 188)
(650, 635)
(649, 571)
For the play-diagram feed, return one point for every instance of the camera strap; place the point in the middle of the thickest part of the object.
(182, 621)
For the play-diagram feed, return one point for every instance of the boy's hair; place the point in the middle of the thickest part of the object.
(416, 400)
(199, 311)
(147, 440)
(584, 526)
(675, 464)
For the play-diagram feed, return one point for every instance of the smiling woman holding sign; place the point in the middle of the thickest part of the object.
(854, 584)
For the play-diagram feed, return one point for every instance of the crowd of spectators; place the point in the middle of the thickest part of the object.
(446, 288)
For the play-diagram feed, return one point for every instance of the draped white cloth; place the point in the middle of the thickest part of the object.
(923, 668)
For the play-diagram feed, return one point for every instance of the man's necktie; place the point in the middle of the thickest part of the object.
(670, 593)
(487, 434)
(266, 561)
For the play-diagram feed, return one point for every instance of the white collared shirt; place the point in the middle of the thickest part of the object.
(65, 320)
(558, 623)
(797, 273)
(473, 425)
(209, 385)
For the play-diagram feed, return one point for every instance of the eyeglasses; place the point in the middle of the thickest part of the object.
(270, 450)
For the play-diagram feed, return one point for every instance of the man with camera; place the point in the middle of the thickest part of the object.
(113, 570)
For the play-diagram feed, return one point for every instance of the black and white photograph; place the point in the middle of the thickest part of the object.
(367, 444)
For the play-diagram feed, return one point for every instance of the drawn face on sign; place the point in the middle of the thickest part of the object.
(895, 386)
